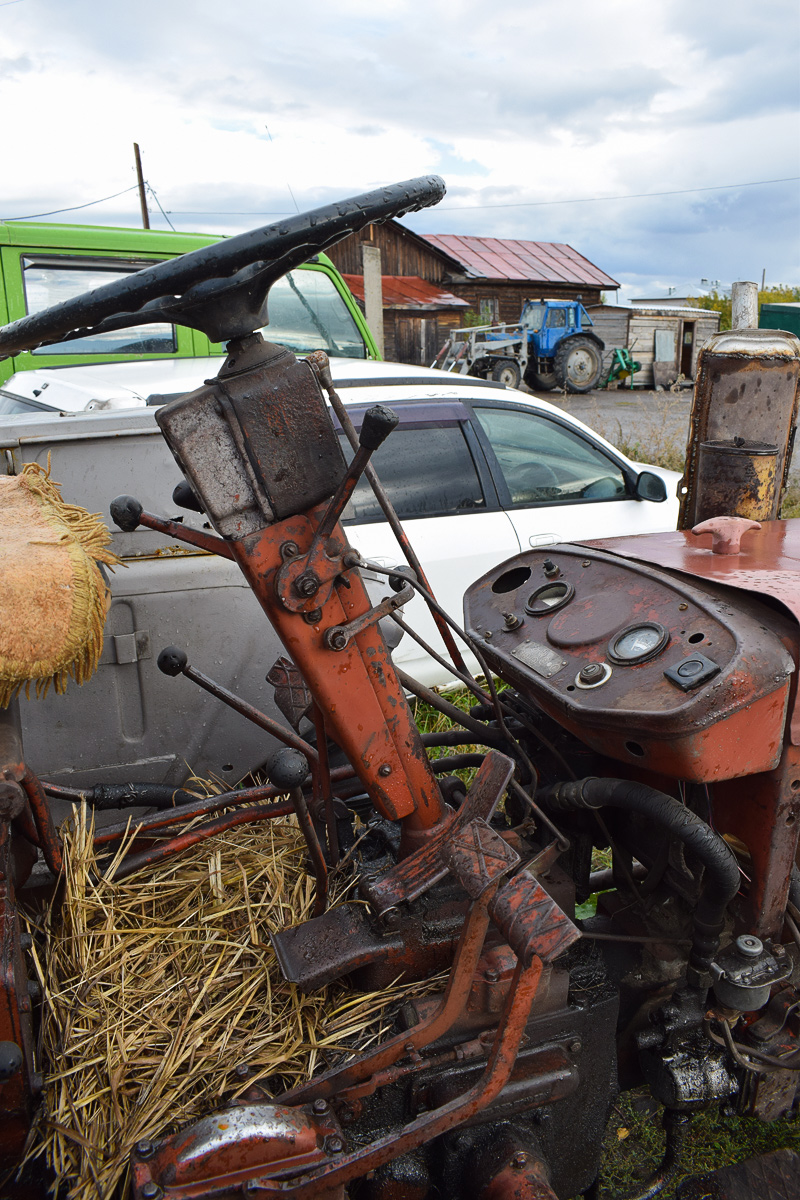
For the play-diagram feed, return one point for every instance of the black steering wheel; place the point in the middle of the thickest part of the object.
(222, 289)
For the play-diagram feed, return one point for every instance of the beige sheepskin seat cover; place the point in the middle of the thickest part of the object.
(53, 599)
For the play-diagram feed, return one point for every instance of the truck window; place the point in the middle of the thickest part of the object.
(48, 281)
(556, 318)
(542, 462)
(306, 312)
(427, 472)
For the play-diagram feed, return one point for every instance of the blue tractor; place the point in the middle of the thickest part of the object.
(552, 346)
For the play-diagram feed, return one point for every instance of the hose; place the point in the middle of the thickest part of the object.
(721, 876)
(123, 795)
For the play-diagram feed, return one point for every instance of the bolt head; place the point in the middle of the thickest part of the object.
(519, 1160)
(575, 1047)
(384, 770)
(320, 1106)
(491, 975)
(306, 585)
(242, 1070)
(334, 1144)
(151, 1191)
(144, 1148)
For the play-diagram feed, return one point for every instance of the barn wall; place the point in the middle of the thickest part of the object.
(401, 254)
(508, 298)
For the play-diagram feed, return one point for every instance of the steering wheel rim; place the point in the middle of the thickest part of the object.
(221, 289)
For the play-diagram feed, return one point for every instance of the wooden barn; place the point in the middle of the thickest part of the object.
(664, 338)
(431, 282)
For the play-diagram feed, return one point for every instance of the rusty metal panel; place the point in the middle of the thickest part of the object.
(767, 564)
(747, 387)
(730, 724)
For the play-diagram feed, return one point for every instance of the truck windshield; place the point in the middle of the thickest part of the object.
(49, 281)
(306, 312)
(533, 316)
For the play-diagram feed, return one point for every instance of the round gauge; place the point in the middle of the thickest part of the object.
(638, 643)
(549, 597)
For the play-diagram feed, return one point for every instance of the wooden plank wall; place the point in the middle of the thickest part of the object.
(623, 327)
(400, 254)
(511, 296)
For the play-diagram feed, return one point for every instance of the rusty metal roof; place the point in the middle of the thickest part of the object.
(510, 258)
(408, 291)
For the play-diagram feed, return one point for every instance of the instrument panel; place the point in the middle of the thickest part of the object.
(638, 663)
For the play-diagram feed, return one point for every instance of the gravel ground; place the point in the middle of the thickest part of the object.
(659, 421)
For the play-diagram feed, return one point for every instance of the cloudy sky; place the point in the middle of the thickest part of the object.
(615, 126)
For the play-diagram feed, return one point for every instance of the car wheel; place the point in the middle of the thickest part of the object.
(577, 364)
(507, 371)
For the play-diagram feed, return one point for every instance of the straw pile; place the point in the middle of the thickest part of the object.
(156, 988)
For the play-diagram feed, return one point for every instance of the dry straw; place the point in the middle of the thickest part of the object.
(156, 988)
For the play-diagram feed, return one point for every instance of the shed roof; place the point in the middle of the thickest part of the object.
(408, 291)
(513, 259)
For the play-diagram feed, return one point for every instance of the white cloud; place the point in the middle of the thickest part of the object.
(534, 102)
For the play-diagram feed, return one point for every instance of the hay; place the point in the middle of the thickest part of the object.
(157, 988)
(54, 601)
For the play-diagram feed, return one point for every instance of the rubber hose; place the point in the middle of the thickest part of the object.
(721, 878)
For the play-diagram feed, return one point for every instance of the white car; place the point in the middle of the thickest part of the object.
(477, 472)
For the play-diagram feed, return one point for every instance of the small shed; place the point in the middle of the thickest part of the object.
(664, 338)
(417, 316)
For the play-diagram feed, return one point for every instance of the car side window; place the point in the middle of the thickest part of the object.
(427, 472)
(544, 463)
(556, 318)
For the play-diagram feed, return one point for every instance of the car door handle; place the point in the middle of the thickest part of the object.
(543, 539)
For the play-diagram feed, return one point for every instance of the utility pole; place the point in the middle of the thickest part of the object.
(140, 178)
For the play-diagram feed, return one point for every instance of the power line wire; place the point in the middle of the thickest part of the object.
(74, 208)
(152, 192)
(221, 212)
(628, 196)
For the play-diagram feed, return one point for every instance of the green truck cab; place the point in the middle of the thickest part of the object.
(40, 265)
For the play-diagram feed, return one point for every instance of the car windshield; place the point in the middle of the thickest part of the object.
(306, 312)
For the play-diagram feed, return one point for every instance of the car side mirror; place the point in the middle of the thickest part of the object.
(650, 486)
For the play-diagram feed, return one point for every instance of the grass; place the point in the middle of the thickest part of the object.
(634, 1143)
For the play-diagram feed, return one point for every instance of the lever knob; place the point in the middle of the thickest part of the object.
(184, 496)
(171, 660)
(125, 513)
(287, 768)
(378, 423)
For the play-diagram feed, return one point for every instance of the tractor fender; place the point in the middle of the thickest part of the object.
(587, 333)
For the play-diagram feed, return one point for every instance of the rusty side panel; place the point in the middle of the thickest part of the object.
(747, 387)
(737, 480)
(17, 1091)
(763, 812)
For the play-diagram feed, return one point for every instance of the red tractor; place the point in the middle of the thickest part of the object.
(651, 710)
